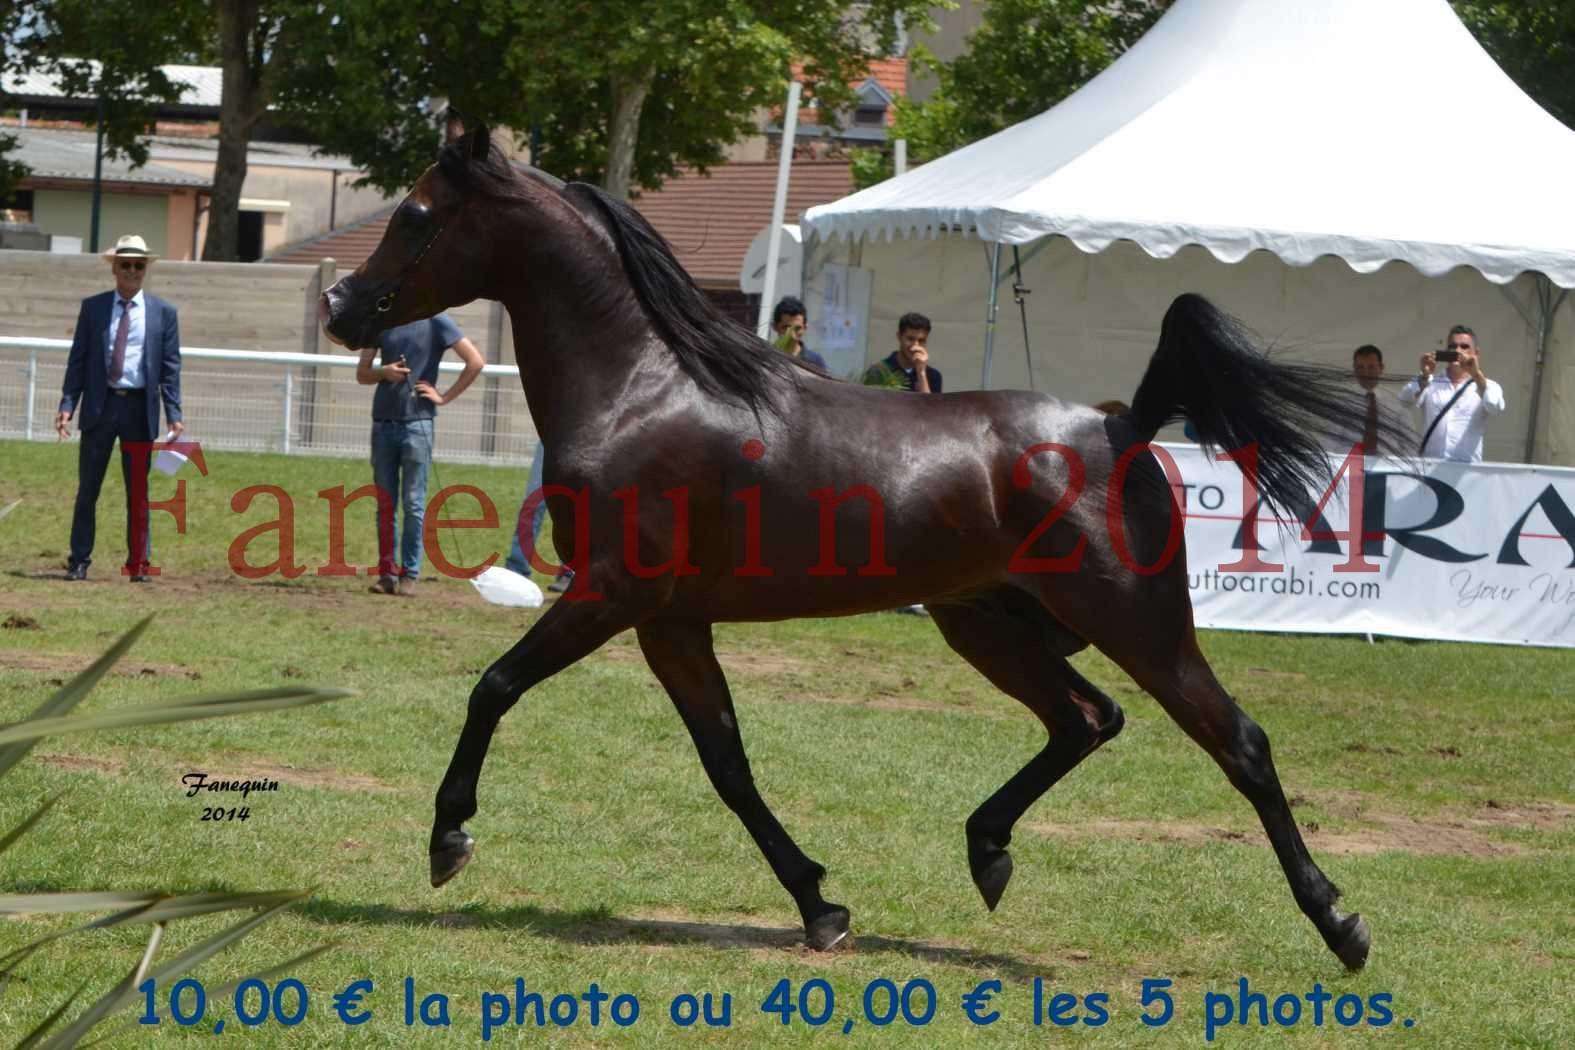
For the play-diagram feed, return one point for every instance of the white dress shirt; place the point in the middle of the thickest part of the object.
(131, 377)
(1458, 436)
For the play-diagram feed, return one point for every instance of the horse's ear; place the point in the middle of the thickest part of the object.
(480, 142)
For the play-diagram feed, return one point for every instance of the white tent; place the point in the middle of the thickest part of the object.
(1372, 132)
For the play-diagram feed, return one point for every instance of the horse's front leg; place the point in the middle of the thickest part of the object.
(565, 633)
(680, 654)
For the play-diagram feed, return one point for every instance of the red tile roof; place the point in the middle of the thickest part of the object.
(349, 246)
(890, 73)
(709, 220)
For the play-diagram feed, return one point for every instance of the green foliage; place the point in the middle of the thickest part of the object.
(130, 908)
(108, 51)
(554, 68)
(1534, 43)
(11, 171)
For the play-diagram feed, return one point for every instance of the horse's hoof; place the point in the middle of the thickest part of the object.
(991, 874)
(1355, 942)
(451, 856)
(829, 931)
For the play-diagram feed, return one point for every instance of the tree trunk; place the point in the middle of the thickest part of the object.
(630, 91)
(240, 107)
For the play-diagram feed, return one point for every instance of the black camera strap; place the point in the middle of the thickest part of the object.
(1422, 448)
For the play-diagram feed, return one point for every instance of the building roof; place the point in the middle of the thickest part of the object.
(204, 84)
(891, 74)
(708, 219)
(349, 245)
(55, 154)
(258, 151)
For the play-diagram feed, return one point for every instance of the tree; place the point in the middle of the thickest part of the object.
(1535, 45)
(114, 52)
(125, 43)
(620, 92)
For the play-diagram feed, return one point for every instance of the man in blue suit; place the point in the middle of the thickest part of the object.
(125, 359)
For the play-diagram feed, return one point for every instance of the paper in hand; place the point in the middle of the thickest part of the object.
(169, 460)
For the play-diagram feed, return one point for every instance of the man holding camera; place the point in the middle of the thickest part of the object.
(1455, 405)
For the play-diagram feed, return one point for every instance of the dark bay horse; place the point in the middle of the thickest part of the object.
(694, 475)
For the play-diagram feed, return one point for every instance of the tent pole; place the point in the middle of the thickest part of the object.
(1018, 292)
(1547, 307)
(778, 206)
(989, 314)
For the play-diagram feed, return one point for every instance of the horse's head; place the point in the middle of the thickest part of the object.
(433, 254)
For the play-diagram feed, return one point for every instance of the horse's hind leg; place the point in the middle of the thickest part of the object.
(1185, 686)
(1009, 637)
(680, 654)
(564, 634)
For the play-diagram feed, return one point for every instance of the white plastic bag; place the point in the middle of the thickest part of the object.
(502, 587)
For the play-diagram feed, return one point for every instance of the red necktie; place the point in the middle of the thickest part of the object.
(117, 362)
(1370, 432)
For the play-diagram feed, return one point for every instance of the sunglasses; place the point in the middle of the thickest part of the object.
(133, 264)
(1460, 346)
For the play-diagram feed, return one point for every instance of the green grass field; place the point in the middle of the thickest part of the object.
(1435, 784)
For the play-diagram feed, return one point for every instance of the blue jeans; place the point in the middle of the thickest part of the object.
(516, 561)
(401, 456)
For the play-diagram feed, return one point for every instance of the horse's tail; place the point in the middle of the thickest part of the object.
(1208, 370)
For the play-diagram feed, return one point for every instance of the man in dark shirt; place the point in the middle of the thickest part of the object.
(908, 368)
(403, 409)
(788, 321)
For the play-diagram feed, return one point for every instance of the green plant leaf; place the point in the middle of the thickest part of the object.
(124, 993)
(224, 991)
(176, 711)
(167, 909)
(31, 1039)
(21, 829)
(69, 695)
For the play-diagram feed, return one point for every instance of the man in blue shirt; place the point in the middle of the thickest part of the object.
(403, 409)
(124, 361)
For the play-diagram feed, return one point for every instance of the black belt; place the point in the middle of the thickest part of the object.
(120, 391)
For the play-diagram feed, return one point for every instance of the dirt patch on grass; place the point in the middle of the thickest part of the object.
(18, 622)
(72, 664)
(79, 763)
(1452, 833)
(288, 776)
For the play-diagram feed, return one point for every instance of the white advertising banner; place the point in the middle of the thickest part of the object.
(1450, 551)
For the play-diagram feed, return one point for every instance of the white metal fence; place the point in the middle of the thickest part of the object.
(254, 401)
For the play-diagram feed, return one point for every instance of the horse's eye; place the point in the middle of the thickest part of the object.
(414, 217)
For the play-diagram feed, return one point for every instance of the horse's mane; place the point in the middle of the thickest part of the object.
(727, 360)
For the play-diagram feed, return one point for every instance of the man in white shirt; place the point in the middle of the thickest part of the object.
(1455, 405)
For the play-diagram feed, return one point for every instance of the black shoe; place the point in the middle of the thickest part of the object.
(561, 583)
(77, 571)
(138, 578)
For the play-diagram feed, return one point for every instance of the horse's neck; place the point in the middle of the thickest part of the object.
(581, 339)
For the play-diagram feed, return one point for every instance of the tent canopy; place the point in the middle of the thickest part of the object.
(1368, 131)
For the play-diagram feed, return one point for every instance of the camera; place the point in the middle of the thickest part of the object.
(1446, 355)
